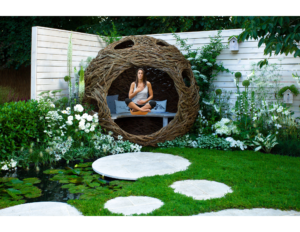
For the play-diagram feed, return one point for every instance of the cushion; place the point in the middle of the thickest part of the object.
(138, 112)
(111, 103)
(161, 106)
(121, 107)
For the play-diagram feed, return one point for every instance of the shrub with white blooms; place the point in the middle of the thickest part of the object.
(67, 128)
(108, 145)
(236, 143)
(225, 127)
(7, 165)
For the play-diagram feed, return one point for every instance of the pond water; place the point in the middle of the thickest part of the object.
(51, 190)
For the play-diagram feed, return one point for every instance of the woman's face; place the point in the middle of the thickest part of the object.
(140, 75)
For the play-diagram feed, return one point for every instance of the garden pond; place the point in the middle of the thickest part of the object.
(60, 184)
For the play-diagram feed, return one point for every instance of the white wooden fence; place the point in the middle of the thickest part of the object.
(49, 58)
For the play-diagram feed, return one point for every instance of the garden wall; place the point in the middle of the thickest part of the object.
(49, 58)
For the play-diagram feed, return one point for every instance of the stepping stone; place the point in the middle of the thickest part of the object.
(131, 166)
(201, 189)
(41, 209)
(251, 212)
(133, 205)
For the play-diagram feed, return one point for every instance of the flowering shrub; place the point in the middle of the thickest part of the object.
(73, 130)
(225, 127)
(7, 165)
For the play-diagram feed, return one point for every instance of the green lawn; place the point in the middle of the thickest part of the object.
(257, 180)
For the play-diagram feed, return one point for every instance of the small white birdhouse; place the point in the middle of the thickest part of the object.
(233, 44)
(288, 96)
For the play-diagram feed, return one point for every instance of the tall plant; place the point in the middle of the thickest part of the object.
(69, 68)
(110, 37)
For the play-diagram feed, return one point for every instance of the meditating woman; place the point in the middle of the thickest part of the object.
(138, 93)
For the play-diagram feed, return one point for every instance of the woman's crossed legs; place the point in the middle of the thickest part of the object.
(136, 107)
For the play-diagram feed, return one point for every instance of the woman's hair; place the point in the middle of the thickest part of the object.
(144, 77)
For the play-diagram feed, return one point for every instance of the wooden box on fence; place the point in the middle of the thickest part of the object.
(288, 96)
(233, 44)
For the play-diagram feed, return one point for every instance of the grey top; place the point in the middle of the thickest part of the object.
(143, 95)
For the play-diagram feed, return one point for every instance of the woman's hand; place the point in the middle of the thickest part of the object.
(139, 89)
(141, 102)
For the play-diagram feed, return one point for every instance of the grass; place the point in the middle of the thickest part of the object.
(258, 180)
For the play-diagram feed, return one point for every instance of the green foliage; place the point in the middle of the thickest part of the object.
(13, 189)
(21, 123)
(212, 142)
(136, 25)
(279, 34)
(205, 68)
(80, 180)
(15, 39)
(111, 37)
(293, 89)
(236, 36)
(238, 75)
(7, 94)
(287, 147)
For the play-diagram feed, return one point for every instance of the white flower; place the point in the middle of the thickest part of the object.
(120, 137)
(70, 118)
(204, 60)
(89, 118)
(110, 133)
(286, 112)
(87, 125)
(64, 111)
(68, 108)
(273, 117)
(278, 126)
(78, 108)
(69, 123)
(254, 118)
(52, 105)
(86, 130)
(92, 128)
(95, 115)
(85, 115)
(280, 109)
(77, 116)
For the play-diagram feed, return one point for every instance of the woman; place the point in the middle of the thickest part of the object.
(139, 91)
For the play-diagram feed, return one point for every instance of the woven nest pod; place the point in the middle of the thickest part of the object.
(114, 69)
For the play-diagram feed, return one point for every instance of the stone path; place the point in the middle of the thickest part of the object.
(133, 205)
(251, 212)
(41, 209)
(131, 166)
(201, 189)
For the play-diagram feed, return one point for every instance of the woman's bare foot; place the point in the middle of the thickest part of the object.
(145, 110)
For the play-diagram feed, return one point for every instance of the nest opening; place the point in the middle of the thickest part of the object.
(125, 44)
(163, 89)
(186, 77)
(161, 43)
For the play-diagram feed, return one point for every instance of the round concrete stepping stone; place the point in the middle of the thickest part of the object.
(251, 212)
(133, 205)
(41, 209)
(131, 166)
(201, 189)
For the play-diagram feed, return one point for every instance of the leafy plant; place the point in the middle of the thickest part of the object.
(13, 189)
(279, 34)
(111, 37)
(292, 88)
(7, 94)
(21, 123)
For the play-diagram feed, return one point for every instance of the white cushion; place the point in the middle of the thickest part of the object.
(121, 107)
(161, 106)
